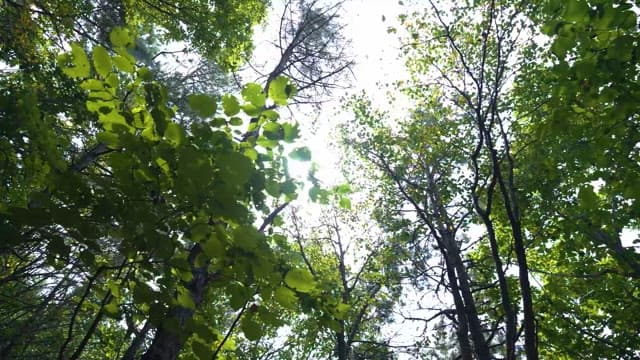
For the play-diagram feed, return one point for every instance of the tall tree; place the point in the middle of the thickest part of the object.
(575, 99)
(113, 210)
(356, 263)
(454, 152)
(418, 172)
(313, 50)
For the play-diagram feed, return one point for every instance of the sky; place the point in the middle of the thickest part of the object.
(375, 53)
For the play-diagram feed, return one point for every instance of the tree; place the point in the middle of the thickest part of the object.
(359, 267)
(130, 215)
(313, 51)
(133, 231)
(218, 30)
(463, 71)
(418, 175)
(572, 98)
(508, 120)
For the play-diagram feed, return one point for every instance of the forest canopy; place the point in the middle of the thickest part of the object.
(486, 209)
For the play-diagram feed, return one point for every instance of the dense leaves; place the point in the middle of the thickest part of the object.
(145, 209)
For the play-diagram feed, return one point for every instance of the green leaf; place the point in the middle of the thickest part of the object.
(120, 37)
(280, 90)
(288, 187)
(246, 237)
(200, 231)
(110, 139)
(251, 154)
(113, 121)
(112, 80)
(112, 309)
(202, 351)
(92, 84)
(239, 295)
(236, 168)
(175, 134)
(273, 131)
(300, 279)
(124, 64)
(577, 11)
(561, 46)
(200, 328)
(251, 110)
(204, 105)
(101, 61)
(184, 299)
(286, 297)
(301, 154)
(334, 325)
(142, 294)
(253, 93)
(235, 121)
(342, 310)
(145, 74)
(251, 329)
(270, 115)
(213, 247)
(291, 132)
(272, 188)
(343, 189)
(588, 198)
(80, 61)
(230, 105)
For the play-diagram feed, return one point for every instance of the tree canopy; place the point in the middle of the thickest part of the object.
(148, 208)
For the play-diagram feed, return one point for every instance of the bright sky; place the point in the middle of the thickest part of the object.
(376, 55)
(375, 52)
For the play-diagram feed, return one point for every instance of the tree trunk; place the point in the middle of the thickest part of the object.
(167, 342)
(341, 344)
(479, 342)
(462, 332)
(505, 298)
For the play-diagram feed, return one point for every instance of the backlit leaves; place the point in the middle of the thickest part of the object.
(76, 64)
(230, 105)
(204, 105)
(300, 279)
(253, 93)
(101, 61)
(281, 90)
(286, 297)
(120, 37)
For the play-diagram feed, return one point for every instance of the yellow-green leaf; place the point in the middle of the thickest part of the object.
(300, 279)
(101, 61)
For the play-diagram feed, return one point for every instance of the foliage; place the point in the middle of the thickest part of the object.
(148, 212)
(143, 209)
(578, 110)
(218, 30)
(545, 162)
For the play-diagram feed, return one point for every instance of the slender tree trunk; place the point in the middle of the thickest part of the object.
(509, 312)
(137, 342)
(448, 238)
(505, 297)
(513, 214)
(167, 342)
(479, 342)
(462, 332)
(341, 344)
